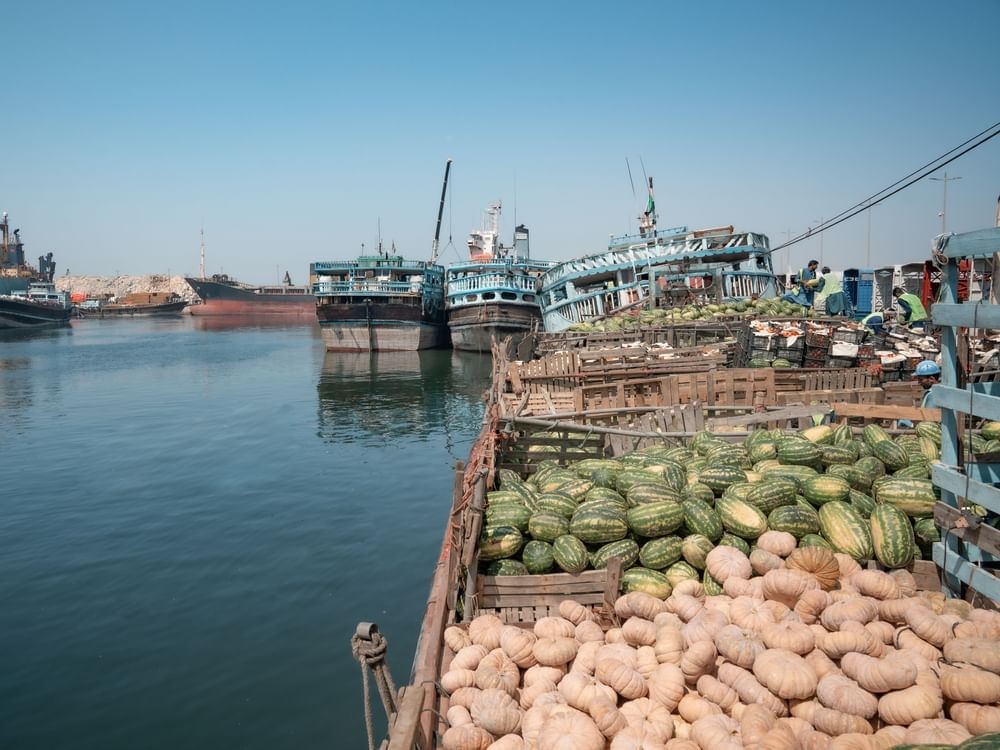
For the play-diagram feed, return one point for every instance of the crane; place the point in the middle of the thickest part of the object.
(437, 229)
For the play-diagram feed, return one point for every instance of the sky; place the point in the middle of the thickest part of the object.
(294, 132)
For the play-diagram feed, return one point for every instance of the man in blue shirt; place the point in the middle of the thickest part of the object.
(808, 281)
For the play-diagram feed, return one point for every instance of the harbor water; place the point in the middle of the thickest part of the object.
(197, 513)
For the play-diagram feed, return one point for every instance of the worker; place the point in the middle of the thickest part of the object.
(808, 281)
(875, 321)
(911, 309)
(928, 373)
(831, 287)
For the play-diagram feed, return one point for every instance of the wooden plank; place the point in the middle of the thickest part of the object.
(981, 243)
(562, 586)
(595, 577)
(958, 567)
(960, 485)
(972, 400)
(404, 733)
(873, 411)
(613, 583)
(532, 600)
(986, 538)
(777, 415)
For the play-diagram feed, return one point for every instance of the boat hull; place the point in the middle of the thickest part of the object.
(16, 314)
(473, 328)
(229, 299)
(131, 311)
(379, 327)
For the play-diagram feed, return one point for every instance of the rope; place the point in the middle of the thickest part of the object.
(370, 655)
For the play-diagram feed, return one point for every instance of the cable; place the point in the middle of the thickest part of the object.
(865, 205)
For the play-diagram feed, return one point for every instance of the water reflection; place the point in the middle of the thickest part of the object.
(258, 320)
(379, 396)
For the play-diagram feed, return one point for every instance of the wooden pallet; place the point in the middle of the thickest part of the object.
(851, 396)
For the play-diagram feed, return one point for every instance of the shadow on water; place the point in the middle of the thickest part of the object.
(258, 321)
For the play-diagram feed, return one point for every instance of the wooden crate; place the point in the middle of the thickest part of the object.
(527, 599)
(851, 396)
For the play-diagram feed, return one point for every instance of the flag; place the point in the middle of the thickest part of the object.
(650, 205)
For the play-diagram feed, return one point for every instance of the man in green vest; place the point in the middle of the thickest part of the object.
(911, 309)
(831, 287)
(874, 321)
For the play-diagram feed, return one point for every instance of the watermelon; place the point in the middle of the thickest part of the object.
(932, 431)
(569, 553)
(538, 556)
(824, 489)
(625, 549)
(916, 470)
(507, 567)
(892, 455)
(838, 454)
(989, 430)
(642, 494)
(915, 497)
(647, 581)
(814, 540)
(798, 452)
(854, 476)
(681, 571)
(598, 525)
(926, 532)
(739, 490)
(588, 466)
(872, 434)
(658, 554)
(699, 491)
(711, 586)
(741, 518)
(499, 542)
(846, 530)
(892, 536)
(870, 466)
(604, 493)
(508, 514)
(700, 518)
(772, 494)
(797, 473)
(506, 476)
(863, 504)
(731, 540)
(820, 434)
(547, 526)
(695, 548)
(558, 503)
(655, 519)
(794, 519)
(720, 477)
(762, 451)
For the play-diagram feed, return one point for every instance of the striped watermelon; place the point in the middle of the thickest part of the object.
(870, 466)
(989, 430)
(794, 519)
(872, 434)
(814, 540)
(625, 549)
(932, 431)
(661, 553)
(674, 475)
(499, 542)
(892, 455)
(796, 452)
(503, 496)
(854, 476)
(741, 518)
(508, 514)
(557, 502)
(507, 567)
(843, 434)
(538, 556)
(772, 494)
(916, 470)
(506, 476)
(648, 581)
(820, 434)
(598, 525)
(681, 571)
(915, 497)
(863, 504)
(699, 491)
(547, 526)
(642, 494)
(695, 548)
(655, 519)
(700, 518)
(892, 536)
(926, 532)
(739, 490)
(720, 477)
(762, 452)
(796, 473)
(824, 489)
(838, 454)
(588, 466)
(604, 493)
(629, 477)
(553, 480)
(711, 586)
(731, 540)
(846, 531)
(569, 553)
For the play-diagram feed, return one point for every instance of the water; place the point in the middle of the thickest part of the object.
(196, 515)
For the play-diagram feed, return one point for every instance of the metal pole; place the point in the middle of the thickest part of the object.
(944, 206)
(868, 244)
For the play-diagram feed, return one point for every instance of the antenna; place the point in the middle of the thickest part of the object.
(630, 180)
(380, 235)
(202, 266)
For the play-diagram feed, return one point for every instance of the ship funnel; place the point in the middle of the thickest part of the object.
(521, 242)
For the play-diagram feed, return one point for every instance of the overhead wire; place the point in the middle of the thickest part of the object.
(883, 194)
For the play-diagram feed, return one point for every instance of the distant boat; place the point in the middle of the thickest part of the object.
(493, 294)
(382, 302)
(30, 299)
(221, 295)
(137, 304)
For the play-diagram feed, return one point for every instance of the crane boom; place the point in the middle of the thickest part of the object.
(437, 229)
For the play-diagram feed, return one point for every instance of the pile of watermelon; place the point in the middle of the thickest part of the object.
(633, 319)
(661, 510)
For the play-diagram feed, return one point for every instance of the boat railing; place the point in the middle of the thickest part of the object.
(492, 281)
(365, 286)
(338, 266)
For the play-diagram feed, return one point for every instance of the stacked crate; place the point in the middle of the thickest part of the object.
(791, 349)
(817, 349)
(846, 336)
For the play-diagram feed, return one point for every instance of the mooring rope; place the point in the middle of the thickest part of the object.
(370, 653)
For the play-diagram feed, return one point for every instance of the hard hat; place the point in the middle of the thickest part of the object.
(925, 368)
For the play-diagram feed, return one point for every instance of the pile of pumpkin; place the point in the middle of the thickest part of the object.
(813, 653)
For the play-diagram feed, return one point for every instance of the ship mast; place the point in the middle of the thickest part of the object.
(437, 229)
(647, 222)
(202, 266)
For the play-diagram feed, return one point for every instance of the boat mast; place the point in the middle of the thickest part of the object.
(647, 222)
(202, 266)
(437, 229)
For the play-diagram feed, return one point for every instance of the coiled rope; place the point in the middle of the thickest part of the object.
(369, 646)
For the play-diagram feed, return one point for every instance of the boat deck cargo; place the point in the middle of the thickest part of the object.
(721, 558)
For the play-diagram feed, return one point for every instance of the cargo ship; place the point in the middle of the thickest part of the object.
(383, 302)
(221, 295)
(493, 294)
(139, 304)
(28, 298)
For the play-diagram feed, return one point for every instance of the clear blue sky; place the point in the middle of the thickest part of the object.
(289, 129)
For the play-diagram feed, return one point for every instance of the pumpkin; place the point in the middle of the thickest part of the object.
(469, 657)
(845, 695)
(666, 685)
(906, 582)
(684, 606)
(907, 706)
(690, 587)
(621, 651)
(454, 679)
(848, 639)
(893, 672)
(717, 732)
(968, 684)
(717, 692)
(554, 627)
(528, 693)
(669, 645)
(725, 562)
(780, 737)
(762, 561)
(928, 626)
(645, 661)
(821, 663)
(739, 646)
(579, 690)
(848, 565)
(614, 635)
(698, 660)
(641, 604)
(485, 631)
(975, 651)
(693, 707)
(894, 610)
(458, 716)
(497, 671)
(682, 744)
(588, 631)
(466, 737)
(784, 673)
(788, 635)
(463, 696)
(779, 543)
(890, 735)
(554, 652)
(622, 678)
(508, 742)
(575, 612)
(829, 720)
(749, 690)
(876, 584)
(741, 587)
(857, 609)
(569, 730)
(639, 632)
(786, 585)
(668, 620)
(637, 738)
(977, 719)
(517, 644)
(935, 732)
(644, 712)
(456, 638)
(704, 626)
(606, 716)
(755, 723)
(907, 639)
(883, 631)
(811, 604)
(496, 712)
